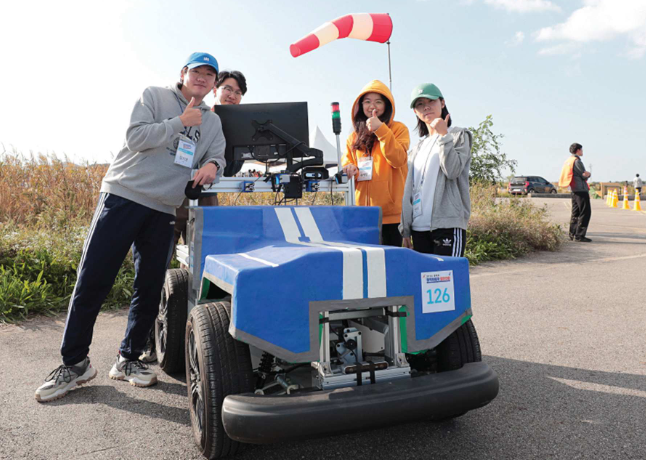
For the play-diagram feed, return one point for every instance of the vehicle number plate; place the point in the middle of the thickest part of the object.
(438, 293)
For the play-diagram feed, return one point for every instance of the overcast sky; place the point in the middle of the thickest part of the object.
(551, 72)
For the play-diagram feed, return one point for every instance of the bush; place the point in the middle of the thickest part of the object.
(38, 271)
(504, 228)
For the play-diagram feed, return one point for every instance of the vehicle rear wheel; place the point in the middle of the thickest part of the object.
(171, 321)
(217, 365)
(531, 190)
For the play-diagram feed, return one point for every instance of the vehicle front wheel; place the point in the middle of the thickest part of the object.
(217, 365)
(553, 191)
(458, 349)
(461, 347)
(171, 321)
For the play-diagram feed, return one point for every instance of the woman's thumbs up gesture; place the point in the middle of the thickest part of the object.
(373, 123)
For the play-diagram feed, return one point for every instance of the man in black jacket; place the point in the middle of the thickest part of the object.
(581, 210)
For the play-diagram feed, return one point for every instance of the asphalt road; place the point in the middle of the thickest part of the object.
(565, 332)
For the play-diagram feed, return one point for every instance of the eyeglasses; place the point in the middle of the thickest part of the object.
(230, 90)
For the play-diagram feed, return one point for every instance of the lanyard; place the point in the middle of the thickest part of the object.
(178, 103)
(428, 157)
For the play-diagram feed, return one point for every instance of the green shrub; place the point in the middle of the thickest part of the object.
(38, 271)
(506, 228)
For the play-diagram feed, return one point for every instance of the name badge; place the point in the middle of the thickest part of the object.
(185, 152)
(417, 205)
(365, 169)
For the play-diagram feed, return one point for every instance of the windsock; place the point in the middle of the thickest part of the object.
(362, 26)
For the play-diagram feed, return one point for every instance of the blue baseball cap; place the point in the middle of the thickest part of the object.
(200, 59)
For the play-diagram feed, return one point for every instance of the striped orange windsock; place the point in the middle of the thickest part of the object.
(362, 26)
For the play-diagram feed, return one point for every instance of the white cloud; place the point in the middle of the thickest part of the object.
(562, 48)
(602, 20)
(519, 37)
(523, 6)
(517, 40)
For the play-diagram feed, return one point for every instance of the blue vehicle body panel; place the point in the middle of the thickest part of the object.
(282, 264)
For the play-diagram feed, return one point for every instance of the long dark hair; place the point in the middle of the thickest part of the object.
(365, 139)
(422, 129)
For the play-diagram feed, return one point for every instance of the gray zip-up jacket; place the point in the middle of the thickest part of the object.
(144, 171)
(451, 203)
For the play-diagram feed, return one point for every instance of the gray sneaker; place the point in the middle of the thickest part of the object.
(63, 379)
(134, 371)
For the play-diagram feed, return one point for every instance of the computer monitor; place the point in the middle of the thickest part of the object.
(266, 133)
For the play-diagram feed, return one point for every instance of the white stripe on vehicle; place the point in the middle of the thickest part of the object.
(375, 256)
(257, 259)
(352, 258)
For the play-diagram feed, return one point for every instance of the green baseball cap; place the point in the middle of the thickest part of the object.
(427, 90)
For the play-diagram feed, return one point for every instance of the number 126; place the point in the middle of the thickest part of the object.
(440, 296)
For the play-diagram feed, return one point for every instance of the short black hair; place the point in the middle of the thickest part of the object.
(236, 75)
(574, 147)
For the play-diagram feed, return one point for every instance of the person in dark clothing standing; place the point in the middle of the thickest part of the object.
(575, 175)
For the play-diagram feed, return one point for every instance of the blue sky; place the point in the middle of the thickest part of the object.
(550, 72)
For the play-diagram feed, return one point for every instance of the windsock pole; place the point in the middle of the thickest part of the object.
(390, 73)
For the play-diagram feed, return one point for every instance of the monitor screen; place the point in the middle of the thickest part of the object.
(248, 140)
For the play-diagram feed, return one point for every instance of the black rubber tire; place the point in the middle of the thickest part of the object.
(530, 191)
(170, 324)
(461, 347)
(553, 191)
(217, 365)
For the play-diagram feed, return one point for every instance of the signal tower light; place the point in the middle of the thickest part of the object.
(336, 118)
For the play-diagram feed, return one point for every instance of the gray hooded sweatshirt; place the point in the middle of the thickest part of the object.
(144, 171)
(451, 203)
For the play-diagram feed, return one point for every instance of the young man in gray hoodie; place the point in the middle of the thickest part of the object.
(171, 133)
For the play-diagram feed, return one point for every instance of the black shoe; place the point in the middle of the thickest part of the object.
(583, 239)
(571, 237)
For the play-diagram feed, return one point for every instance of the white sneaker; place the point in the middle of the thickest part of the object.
(63, 379)
(134, 371)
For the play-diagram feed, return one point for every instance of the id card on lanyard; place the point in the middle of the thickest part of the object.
(365, 169)
(417, 205)
(185, 152)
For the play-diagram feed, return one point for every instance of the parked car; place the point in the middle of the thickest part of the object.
(522, 185)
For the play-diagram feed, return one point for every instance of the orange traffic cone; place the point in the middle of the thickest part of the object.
(626, 205)
(638, 206)
(615, 198)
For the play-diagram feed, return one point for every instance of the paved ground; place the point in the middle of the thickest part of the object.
(564, 331)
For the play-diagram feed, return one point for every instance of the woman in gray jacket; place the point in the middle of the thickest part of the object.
(436, 205)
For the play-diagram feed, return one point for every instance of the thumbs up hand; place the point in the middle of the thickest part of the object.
(373, 123)
(191, 116)
(441, 126)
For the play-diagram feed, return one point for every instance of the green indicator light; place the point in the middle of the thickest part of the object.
(336, 115)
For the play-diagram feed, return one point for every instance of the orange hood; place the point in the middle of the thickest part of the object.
(375, 86)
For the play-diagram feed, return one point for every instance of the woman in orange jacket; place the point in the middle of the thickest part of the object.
(376, 157)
